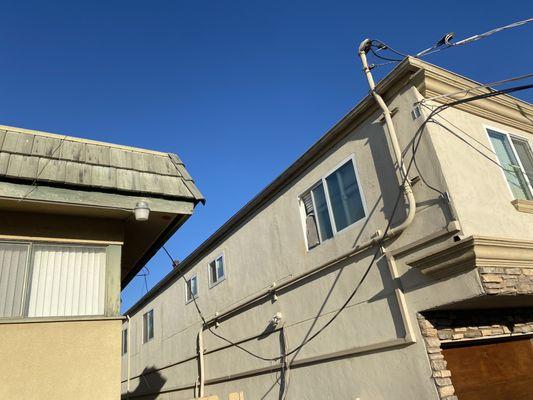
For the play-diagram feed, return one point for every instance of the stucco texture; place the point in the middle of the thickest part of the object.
(60, 360)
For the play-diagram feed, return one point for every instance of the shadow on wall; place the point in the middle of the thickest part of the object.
(150, 384)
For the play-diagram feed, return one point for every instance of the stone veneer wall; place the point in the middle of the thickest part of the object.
(507, 281)
(449, 326)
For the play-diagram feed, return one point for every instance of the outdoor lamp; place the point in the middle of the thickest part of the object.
(142, 211)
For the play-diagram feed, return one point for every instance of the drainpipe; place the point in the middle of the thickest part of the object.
(129, 359)
(201, 361)
(408, 190)
(376, 240)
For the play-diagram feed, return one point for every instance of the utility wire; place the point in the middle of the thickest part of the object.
(448, 44)
(444, 43)
(417, 137)
(484, 86)
(39, 173)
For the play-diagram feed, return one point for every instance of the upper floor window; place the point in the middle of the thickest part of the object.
(216, 271)
(191, 289)
(124, 341)
(332, 204)
(148, 326)
(516, 160)
(45, 280)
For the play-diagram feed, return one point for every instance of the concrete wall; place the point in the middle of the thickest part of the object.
(270, 247)
(60, 360)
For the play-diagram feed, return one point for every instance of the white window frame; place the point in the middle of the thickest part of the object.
(28, 271)
(508, 137)
(322, 180)
(146, 339)
(219, 280)
(194, 296)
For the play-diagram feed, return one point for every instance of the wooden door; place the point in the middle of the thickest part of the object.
(496, 370)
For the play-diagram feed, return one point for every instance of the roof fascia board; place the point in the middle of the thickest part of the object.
(93, 199)
(79, 140)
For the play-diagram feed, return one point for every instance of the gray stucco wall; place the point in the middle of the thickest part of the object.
(270, 247)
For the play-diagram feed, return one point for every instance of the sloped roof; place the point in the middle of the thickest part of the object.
(61, 160)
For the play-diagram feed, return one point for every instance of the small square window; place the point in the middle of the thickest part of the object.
(191, 289)
(148, 326)
(124, 341)
(216, 271)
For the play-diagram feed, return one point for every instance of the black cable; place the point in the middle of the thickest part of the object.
(348, 300)
(417, 137)
(382, 57)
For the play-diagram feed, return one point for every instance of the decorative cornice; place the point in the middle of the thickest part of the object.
(504, 109)
(475, 251)
(523, 205)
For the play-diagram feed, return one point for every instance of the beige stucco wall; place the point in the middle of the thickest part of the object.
(60, 360)
(477, 185)
(270, 247)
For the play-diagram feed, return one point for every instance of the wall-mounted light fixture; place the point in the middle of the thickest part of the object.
(142, 211)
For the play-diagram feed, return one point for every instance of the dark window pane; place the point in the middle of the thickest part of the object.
(322, 212)
(524, 153)
(344, 196)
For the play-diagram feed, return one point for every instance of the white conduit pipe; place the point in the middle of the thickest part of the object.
(392, 232)
(129, 358)
(201, 361)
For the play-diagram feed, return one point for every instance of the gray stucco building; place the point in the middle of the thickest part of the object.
(423, 285)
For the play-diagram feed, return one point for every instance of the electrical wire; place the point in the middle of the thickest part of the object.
(417, 137)
(474, 38)
(34, 183)
(484, 86)
(443, 44)
(347, 301)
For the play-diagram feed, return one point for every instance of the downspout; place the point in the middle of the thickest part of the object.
(408, 190)
(376, 240)
(201, 378)
(129, 359)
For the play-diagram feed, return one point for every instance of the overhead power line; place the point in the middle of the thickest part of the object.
(417, 137)
(377, 46)
(446, 44)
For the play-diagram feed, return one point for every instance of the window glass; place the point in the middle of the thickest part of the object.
(148, 326)
(220, 268)
(344, 196)
(192, 288)
(516, 179)
(524, 154)
(324, 222)
(212, 272)
(124, 341)
(335, 196)
(13, 260)
(216, 270)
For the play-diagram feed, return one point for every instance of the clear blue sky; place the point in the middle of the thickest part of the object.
(238, 89)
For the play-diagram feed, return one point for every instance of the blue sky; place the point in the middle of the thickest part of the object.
(238, 89)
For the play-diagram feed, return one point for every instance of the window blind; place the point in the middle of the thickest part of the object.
(67, 280)
(13, 258)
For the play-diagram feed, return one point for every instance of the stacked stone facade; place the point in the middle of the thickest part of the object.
(439, 327)
(507, 281)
